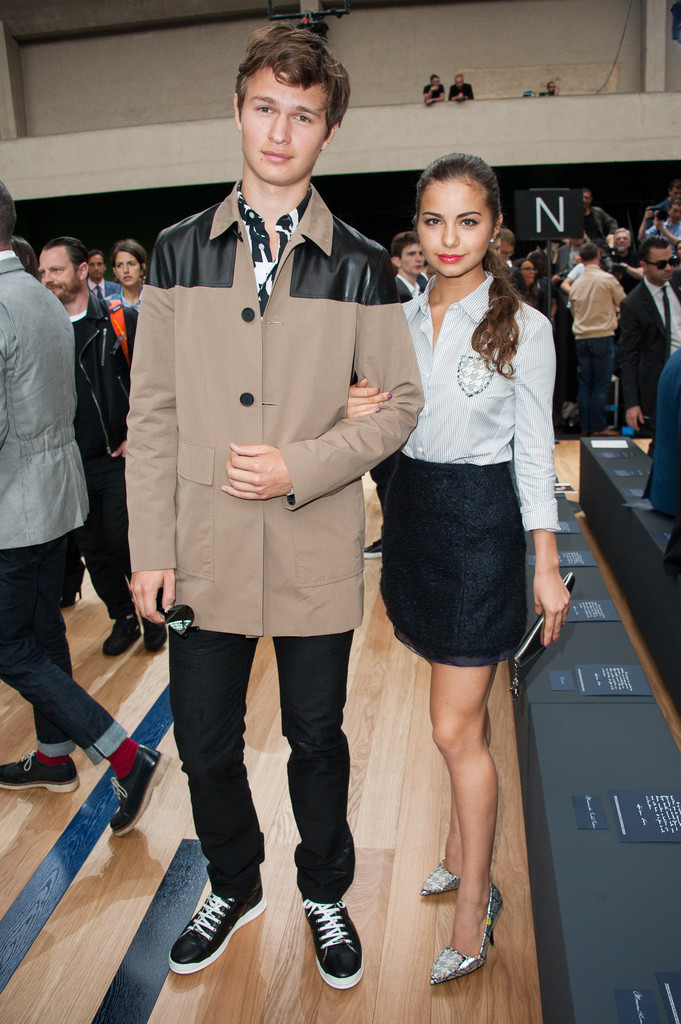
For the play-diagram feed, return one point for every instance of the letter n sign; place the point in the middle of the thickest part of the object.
(548, 213)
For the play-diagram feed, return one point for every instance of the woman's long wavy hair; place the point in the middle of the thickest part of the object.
(496, 337)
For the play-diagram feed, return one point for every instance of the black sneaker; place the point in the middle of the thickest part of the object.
(29, 773)
(134, 789)
(207, 934)
(374, 550)
(154, 635)
(124, 633)
(339, 951)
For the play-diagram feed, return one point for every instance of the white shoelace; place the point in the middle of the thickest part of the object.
(332, 929)
(209, 917)
(27, 760)
(120, 791)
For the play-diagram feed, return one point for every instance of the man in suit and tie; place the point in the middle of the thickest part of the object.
(650, 330)
(96, 282)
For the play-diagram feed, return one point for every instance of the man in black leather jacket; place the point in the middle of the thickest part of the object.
(103, 351)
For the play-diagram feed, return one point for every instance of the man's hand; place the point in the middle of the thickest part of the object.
(257, 472)
(120, 450)
(145, 586)
(635, 418)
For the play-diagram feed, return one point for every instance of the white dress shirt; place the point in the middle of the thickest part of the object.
(674, 308)
(473, 414)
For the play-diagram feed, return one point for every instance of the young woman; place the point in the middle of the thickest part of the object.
(453, 542)
(529, 272)
(129, 262)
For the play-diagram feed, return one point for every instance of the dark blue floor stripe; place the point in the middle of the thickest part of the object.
(29, 913)
(135, 988)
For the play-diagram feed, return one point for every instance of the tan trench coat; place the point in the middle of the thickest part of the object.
(207, 371)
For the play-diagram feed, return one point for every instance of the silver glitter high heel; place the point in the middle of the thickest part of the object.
(451, 964)
(440, 880)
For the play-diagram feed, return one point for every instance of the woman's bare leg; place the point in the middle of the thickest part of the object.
(458, 708)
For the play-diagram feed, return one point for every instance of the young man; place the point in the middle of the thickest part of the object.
(407, 258)
(256, 316)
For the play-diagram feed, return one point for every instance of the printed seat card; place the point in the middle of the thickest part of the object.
(612, 679)
(645, 816)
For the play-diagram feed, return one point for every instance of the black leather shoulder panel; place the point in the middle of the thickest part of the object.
(357, 270)
(185, 255)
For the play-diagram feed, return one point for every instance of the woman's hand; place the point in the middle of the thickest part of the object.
(551, 596)
(363, 400)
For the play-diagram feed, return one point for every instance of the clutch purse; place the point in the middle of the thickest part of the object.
(530, 647)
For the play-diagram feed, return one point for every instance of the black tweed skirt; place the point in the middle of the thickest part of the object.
(453, 577)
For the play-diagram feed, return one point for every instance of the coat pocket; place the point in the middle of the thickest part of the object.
(329, 537)
(194, 502)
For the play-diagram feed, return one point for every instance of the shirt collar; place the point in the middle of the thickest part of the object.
(316, 224)
(654, 289)
(284, 221)
(474, 305)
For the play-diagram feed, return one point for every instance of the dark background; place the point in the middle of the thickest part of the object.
(378, 205)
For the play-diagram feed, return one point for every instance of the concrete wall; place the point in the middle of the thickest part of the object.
(567, 130)
(187, 72)
(153, 106)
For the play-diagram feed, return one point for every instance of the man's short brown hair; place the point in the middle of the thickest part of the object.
(401, 241)
(299, 58)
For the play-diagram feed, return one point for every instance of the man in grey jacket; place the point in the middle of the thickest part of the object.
(42, 497)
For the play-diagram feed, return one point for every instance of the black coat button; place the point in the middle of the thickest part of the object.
(247, 398)
(248, 314)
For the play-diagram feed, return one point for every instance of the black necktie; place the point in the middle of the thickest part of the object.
(667, 317)
(99, 292)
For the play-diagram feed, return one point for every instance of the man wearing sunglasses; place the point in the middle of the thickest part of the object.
(650, 330)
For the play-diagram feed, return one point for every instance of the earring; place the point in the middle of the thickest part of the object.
(492, 239)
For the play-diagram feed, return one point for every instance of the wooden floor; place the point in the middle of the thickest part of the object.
(398, 814)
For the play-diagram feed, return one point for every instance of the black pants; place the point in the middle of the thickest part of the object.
(208, 682)
(103, 538)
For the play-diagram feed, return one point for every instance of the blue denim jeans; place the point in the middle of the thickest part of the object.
(209, 674)
(596, 357)
(35, 659)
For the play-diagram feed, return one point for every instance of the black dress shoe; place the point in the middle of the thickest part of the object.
(374, 550)
(339, 951)
(29, 773)
(207, 934)
(154, 635)
(124, 632)
(134, 789)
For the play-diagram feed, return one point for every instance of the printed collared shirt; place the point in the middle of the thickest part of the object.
(264, 264)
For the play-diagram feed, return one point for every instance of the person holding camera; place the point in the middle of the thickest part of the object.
(668, 228)
(625, 263)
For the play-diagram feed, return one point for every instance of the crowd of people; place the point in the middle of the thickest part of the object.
(453, 361)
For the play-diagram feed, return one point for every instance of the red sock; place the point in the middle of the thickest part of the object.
(52, 761)
(123, 757)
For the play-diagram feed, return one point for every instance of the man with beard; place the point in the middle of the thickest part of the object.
(103, 351)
